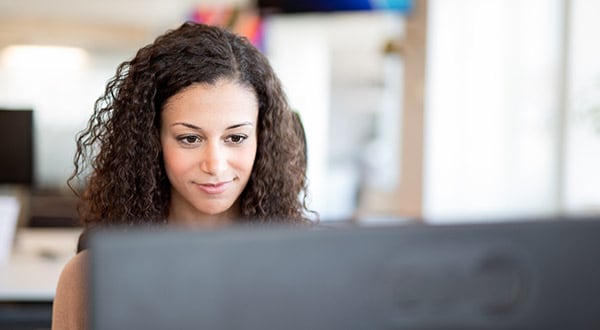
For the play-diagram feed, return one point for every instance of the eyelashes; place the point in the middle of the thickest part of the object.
(236, 138)
(191, 140)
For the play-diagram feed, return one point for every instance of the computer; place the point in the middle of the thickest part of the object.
(16, 147)
(513, 275)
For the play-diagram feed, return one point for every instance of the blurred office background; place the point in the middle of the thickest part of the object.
(441, 110)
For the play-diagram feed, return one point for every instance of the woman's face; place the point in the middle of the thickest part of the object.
(208, 136)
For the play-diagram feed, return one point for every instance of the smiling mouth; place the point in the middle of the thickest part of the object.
(214, 188)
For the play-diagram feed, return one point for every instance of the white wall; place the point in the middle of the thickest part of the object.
(61, 85)
(492, 108)
(582, 180)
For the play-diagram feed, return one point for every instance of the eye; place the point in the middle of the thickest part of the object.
(236, 138)
(188, 139)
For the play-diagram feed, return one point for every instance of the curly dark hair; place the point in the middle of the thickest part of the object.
(119, 153)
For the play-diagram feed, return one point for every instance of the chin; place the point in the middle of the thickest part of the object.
(214, 211)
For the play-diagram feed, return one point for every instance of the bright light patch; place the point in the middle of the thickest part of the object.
(48, 57)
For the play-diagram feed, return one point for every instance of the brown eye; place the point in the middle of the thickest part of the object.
(236, 138)
(189, 139)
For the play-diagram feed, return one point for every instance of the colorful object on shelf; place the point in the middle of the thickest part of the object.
(244, 22)
(308, 6)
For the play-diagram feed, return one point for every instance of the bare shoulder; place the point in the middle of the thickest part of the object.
(70, 302)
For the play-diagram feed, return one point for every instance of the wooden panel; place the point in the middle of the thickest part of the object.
(410, 187)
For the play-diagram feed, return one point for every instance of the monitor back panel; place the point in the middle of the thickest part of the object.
(533, 275)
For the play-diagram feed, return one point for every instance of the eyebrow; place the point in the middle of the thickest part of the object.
(198, 128)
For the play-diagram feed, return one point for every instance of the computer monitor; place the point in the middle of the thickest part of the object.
(16, 146)
(518, 275)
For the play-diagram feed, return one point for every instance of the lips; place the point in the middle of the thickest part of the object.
(214, 188)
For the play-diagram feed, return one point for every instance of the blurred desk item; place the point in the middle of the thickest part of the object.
(9, 214)
(28, 280)
(53, 208)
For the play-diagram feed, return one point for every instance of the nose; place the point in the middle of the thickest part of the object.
(214, 160)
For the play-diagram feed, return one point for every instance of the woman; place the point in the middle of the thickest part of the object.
(194, 130)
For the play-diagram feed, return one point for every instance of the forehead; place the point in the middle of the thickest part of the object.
(224, 98)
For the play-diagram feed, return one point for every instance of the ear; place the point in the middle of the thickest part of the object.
(299, 129)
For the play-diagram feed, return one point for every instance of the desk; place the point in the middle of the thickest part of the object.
(37, 259)
(28, 280)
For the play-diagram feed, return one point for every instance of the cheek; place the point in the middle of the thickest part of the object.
(175, 162)
(245, 160)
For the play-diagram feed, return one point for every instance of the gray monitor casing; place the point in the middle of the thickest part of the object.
(517, 275)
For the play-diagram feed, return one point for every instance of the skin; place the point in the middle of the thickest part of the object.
(209, 141)
(70, 302)
(208, 137)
